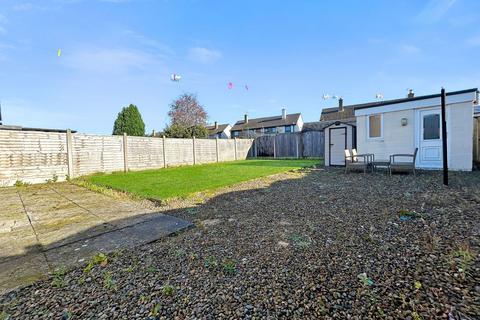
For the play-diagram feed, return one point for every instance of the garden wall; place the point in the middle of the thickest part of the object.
(34, 157)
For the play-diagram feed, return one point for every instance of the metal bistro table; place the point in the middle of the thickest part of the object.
(380, 163)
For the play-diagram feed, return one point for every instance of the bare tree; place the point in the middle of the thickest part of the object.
(187, 112)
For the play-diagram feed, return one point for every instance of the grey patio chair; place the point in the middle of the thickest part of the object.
(357, 161)
(405, 165)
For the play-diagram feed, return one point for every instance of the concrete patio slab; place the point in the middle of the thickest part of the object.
(46, 226)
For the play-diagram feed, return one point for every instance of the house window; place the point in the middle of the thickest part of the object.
(431, 127)
(288, 128)
(270, 130)
(375, 126)
(235, 133)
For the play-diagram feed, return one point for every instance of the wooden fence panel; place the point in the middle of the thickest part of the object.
(144, 153)
(226, 150)
(35, 156)
(205, 151)
(244, 147)
(32, 156)
(178, 152)
(94, 153)
(313, 144)
(264, 146)
(291, 145)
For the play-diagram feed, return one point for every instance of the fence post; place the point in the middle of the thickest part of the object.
(194, 158)
(296, 141)
(164, 153)
(69, 154)
(235, 147)
(274, 148)
(216, 147)
(125, 154)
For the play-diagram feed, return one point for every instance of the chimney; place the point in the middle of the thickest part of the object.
(216, 125)
(246, 118)
(153, 133)
(340, 105)
(410, 93)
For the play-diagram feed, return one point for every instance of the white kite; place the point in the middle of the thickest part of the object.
(175, 77)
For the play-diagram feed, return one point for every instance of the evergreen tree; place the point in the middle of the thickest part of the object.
(129, 121)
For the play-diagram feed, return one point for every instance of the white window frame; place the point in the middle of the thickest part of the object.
(381, 126)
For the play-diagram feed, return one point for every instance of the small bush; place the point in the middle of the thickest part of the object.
(210, 262)
(229, 267)
(108, 282)
(167, 290)
(98, 259)
(301, 241)
(155, 310)
(58, 280)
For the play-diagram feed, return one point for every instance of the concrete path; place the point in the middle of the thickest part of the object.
(46, 226)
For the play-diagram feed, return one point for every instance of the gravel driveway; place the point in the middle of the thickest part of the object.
(317, 244)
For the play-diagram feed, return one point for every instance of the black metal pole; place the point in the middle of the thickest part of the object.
(444, 139)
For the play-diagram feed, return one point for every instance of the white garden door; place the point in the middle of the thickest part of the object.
(338, 144)
(430, 139)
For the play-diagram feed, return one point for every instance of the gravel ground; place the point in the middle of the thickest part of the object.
(311, 245)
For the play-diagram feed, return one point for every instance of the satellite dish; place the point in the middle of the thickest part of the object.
(175, 77)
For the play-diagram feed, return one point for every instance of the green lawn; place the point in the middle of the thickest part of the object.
(167, 183)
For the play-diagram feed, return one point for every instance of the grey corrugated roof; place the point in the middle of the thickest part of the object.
(213, 130)
(267, 122)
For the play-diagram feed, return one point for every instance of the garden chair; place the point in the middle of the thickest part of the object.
(405, 165)
(357, 161)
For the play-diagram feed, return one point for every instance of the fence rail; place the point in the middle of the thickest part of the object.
(35, 157)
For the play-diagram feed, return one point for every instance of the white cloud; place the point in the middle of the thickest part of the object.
(435, 10)
(474, 41)
(204, 55)
(109, 60)
(409, 49)
(26, 6)
(149, 42)
(3, 21)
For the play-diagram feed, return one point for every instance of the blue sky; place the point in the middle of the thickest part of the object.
(289, 53)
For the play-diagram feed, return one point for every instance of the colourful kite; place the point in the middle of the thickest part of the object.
(59, 52)
(230, 85)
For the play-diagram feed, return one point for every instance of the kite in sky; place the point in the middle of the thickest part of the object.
(246, 87)
(175, 77)
(230, 85)
(59, 52)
